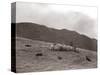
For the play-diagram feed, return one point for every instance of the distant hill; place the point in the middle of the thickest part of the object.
(41, 32)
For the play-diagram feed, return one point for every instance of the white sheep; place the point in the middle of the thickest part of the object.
(63, 47)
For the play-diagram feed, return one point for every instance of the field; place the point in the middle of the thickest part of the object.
(35, 55)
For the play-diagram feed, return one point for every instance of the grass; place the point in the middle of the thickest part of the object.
(34, 55)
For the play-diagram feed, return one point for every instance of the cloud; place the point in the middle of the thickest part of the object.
(80, 19)
(83, 24)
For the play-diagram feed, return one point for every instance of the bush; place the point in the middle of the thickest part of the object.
(59, 57)
(39, 54)
(28, 45)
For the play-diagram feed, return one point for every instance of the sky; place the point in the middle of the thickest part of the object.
(82, 19)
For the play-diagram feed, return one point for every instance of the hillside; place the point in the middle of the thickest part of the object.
(34, 55)
(40, 32)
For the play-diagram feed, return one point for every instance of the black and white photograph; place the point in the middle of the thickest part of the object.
(51, 37)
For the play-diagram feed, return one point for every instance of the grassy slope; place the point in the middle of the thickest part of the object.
(27, 60)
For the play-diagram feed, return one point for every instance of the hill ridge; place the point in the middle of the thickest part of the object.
(44, 33)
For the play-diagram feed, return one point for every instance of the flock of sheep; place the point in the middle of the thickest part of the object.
(63, 47)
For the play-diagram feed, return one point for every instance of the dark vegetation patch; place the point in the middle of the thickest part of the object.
(60, 58)
(39, 54)
(88, 59)
(28, 45)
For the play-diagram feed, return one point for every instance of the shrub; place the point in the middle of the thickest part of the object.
(39, 54)
(59, 57)
(28, 45)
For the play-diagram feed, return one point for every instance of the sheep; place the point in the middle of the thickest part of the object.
(57, 47)
(62, 47)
